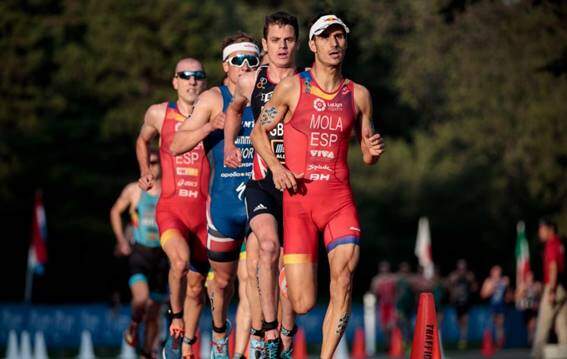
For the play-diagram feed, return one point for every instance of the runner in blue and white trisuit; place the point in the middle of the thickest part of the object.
(226, 212)
(147, 261)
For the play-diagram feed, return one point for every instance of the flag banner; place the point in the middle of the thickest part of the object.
(522, 253)
(37, 257)
(423, 248)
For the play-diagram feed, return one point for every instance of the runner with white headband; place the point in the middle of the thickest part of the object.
(226, 212)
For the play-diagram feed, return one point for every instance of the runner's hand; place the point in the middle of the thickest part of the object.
(374, 142)
(217, 122)
(146, 181)
(285, 179)
(177, 328)
(122, 249)
(232, 156)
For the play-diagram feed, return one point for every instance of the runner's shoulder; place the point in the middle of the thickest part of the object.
(156, 112)
(209, 97)
(131, 191)
(362, 97)
(288, 85)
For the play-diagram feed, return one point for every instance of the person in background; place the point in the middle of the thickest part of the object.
(383, 286)
(494, 288)
(148, 264)
(462, 285)
(528, 295)
(553, 306)
(405, 299)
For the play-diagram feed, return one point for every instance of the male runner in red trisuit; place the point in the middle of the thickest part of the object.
(263, 200)
(180, 212)
(320, 109)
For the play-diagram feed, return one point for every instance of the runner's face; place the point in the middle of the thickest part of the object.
(155, 166)
(330, 47)
(234, 72)
(281, 45)
(188, 90)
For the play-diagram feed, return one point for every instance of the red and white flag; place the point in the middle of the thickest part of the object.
(423, 248)
(37, 254)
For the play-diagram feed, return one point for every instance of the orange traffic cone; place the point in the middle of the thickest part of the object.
(197, 346)
(396, 344)
(487, 344)
(299, 345)
(231, 342)
(358, 350)
(426, 333)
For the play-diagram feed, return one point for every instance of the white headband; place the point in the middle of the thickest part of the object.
(239, 46)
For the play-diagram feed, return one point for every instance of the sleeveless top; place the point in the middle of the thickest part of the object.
(316, 138)
(184, 177)
(227, 184)
(144, 221)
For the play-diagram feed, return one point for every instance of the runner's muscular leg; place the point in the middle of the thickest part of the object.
(301, 286)
(177, 251)
(342, 263)
(243, 309)
(252, 285)
(151, 325)
(140, 296)
(194, 298)
(287, 319)
(221, 292)
(265, 229)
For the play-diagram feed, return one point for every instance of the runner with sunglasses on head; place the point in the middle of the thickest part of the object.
(263, 200)
(148, 263)
(319, 109)
(180, 211)
(226, 213)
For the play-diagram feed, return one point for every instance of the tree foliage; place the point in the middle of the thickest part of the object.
(471, 97)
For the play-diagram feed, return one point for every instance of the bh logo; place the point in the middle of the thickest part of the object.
(319, 105)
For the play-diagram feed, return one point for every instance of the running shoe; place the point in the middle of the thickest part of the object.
(272, 349)
(256, 349)
(131, 335)
(286, 354)
(172, 348)
(219, 347)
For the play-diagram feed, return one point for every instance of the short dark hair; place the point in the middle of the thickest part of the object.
(236, 38)
(281, 18)
(548, 223)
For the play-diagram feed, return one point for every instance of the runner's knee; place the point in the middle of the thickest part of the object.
(179, 267)
(195, 291)
(269, 248)
(302, 304)
(222, 281)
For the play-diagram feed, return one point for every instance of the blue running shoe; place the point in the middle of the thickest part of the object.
(272, 349)
(172, 348)
(219, 347)
(286, 354)
(256, 349)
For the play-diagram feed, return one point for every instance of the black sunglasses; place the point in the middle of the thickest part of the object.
(186, 75)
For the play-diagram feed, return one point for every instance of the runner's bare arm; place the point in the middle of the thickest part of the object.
(149, 130)
(272, 113)
(371, 143)
(122, 204)
(198, 126)
(232, 155)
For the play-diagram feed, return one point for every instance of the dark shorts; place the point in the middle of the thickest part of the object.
(151, 266)
(263, 197)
